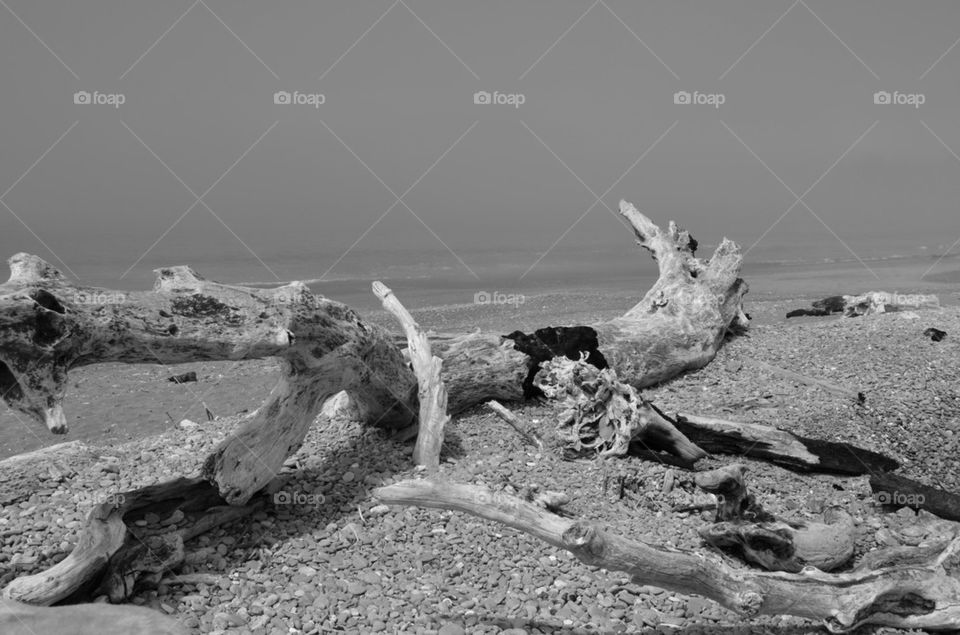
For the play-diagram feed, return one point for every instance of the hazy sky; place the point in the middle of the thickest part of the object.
(299, 182)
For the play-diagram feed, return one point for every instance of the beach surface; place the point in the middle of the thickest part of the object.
(350, 565)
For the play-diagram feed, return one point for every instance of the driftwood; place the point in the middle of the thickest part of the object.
(719, 436)
(912, 592)
(528, 437)
(114, 553)
(744, 527)
(679, 325)
(432, 394)
(894, 492)
(49, 325)
(868, 304)
(603, 416)
(17, 618)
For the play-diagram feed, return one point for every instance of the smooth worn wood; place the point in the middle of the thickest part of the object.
(678, 325)
(921, 595)
(528, 437)
(743, 527)
(802, 454)
(49, 325)
(431, 391)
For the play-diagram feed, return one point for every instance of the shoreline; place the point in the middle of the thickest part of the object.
(110, 403)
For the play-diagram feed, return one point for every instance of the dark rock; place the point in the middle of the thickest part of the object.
(935, 334)
(183, 378)
(813, 312)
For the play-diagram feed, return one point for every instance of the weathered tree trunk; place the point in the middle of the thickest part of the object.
(679, 325)
(918, 593)
(48, 326)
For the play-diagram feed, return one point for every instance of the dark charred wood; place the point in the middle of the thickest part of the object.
(893, 491)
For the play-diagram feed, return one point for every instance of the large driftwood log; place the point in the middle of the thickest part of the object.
(912, 593)
(49, 325)
(679, 325)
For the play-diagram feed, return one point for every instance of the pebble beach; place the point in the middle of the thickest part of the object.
(330, 558)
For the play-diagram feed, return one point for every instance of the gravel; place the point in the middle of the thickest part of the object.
(336, 560)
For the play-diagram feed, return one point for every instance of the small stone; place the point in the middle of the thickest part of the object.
(186, 424)
(378, 510)
(348, 477)
(450, 628)
(270, 600)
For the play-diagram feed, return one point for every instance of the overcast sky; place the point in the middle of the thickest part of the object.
(598, 118)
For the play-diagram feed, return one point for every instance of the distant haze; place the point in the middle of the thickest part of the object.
(395, 102)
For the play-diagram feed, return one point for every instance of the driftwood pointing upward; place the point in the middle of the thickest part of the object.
(922, 595)
(431, 391)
